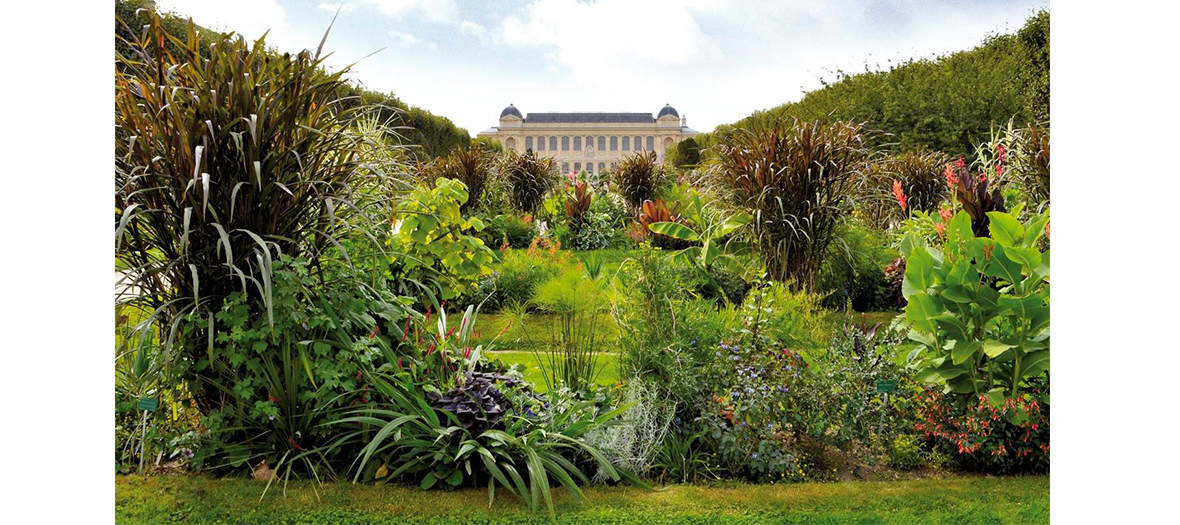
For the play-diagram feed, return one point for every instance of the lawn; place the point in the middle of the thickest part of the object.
(197, 499)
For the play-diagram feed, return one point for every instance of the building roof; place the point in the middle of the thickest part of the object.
(511, 110)
(566, 118)
(668, 110)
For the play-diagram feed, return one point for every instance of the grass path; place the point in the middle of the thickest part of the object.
(195, 499)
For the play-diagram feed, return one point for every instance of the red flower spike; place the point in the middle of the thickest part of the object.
(899, 193)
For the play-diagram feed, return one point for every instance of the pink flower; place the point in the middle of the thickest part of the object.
(899, 193)
(945, 213)
(951, 179)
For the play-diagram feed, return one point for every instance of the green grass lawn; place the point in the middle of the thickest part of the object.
(197, 499)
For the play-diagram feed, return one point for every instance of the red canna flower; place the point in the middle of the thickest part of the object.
(941, 229)
(1046, 230)
(945, 213)
(950, 177)
(899, 193)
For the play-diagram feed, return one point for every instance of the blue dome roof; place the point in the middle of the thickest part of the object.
(511, 110)
(668, 110)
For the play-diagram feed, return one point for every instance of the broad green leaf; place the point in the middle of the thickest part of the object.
(919, 311)
(919, 273)
(1005, 229)
(734, 222)
(996, 397)
(993, 348)
(961, 351)
(674, 230)
(1027, 257)
(1034, 363)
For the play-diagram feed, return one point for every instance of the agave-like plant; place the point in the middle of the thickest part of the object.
(226, 157)
(796, 178)
(528, 178)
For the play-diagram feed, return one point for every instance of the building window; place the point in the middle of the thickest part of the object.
(612, 166)
(552, 143)
(528, 143)
(626, 143)
(565, 143)
(638, 144)
(540, 143)
(510, 143)
(577, 167)
(577, 143)
(614, 143)
(651, 144)
(601, 166)
(601, 143)
(565, 167)
(589, 142)
(590, 168)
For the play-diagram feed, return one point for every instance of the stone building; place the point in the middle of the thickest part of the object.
(589, 141)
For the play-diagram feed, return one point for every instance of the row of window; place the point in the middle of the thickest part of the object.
(550, 143)
(565, 167)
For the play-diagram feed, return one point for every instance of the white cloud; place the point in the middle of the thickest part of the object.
(606, 39)
(343, 8)
(431, 10)
(405, 39)
(250, 19)
(476, 30)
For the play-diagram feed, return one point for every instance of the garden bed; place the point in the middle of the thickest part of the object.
(195, 499)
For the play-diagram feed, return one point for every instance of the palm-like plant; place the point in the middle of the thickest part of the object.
(920, 174)
(473, 166)
(707, 224)
(226, 157)
(796, 179)
(528, 178)
(637, 178)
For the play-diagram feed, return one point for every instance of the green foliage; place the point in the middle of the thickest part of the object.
(637, 178)
(601, 227)
(682, 457)
(795, 178)
(510, 229)
(1033, 47)
(431, 235)
(528, 178)
(516, 278)
(708, 224)
(853, 271)
(210, 189)
(979, 307)
(1011, 438)
(686, 153)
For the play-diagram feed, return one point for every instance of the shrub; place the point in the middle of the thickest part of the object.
(473, 166)
(520, 272)
(633, 445)
(528, 178)
(795, 178)
(907, 453)
(981, 437)
(433, 245)
(979, 307)
(225, 157)
(511, 229)
(853, 272)
(921, 176)
(638, 178)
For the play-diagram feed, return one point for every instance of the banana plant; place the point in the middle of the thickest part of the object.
(979, 306)
(706, 224)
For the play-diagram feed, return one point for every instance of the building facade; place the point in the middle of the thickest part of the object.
(589, 141)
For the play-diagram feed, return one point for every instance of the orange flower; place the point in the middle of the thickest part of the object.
(899, 193)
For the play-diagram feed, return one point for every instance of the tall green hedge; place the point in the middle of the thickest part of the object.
(948, 104)
(434, 134)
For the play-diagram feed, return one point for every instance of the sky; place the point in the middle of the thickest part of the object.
(715, 61)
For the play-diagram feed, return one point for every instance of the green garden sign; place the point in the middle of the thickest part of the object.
(886, 386)
(149, 404)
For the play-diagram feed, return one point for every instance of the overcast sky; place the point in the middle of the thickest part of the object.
(716, 61)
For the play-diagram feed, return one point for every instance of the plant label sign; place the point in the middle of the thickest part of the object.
(886, 386)
(149, 404)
